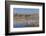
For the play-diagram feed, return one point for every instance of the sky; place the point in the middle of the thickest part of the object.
(25, 10)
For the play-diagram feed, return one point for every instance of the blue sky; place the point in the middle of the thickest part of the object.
(25, 10)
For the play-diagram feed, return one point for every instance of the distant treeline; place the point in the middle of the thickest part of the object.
(22, 14)
(25, 14)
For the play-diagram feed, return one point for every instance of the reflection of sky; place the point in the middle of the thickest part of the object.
(25, 10)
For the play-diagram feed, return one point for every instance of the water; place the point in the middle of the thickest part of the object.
(19, 25)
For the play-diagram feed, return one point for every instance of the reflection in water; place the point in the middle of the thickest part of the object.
(26, 20)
